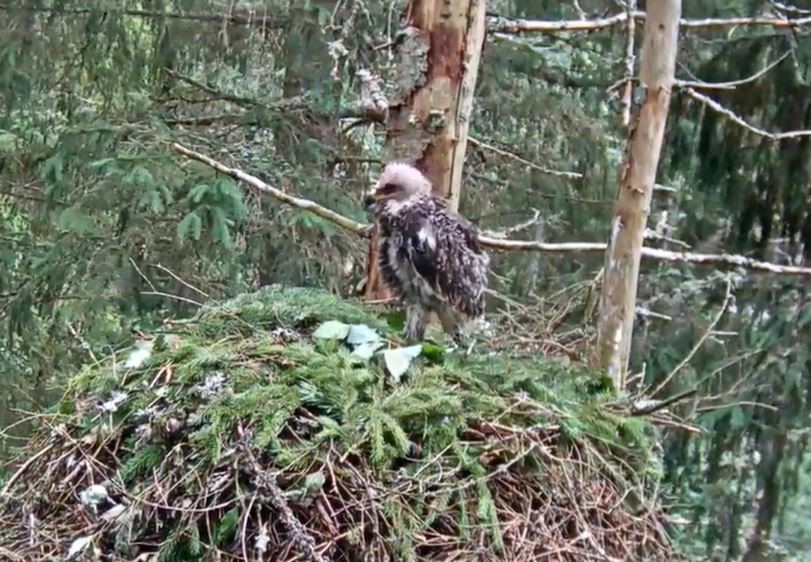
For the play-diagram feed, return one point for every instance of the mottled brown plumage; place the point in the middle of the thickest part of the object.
(429, 256)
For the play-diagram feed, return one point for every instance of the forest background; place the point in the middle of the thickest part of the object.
(104, 228)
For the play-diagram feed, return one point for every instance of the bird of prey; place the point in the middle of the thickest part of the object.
(428, 256)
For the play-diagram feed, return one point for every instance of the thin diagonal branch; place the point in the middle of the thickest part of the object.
(504, 25)
(516, 228)
(259, 185)
(734, 83)
(525, 162)
(714, 105)
(498, 244)
(544, 170)
(727, 298)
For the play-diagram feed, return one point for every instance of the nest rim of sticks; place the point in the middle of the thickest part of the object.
(485, 465)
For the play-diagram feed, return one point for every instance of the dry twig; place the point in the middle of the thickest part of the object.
(503, 25)
(496, 243)
(278, 194)
(714, 105)
(733, 83)
(525, 162)
(707, 333)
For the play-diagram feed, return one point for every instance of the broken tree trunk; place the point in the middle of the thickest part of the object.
(438, 55)
(622, 257)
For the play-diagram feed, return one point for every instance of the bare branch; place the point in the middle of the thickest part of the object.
(727, 260)
(542, 169)
(206, 120)
(776, 23)
(239, 100)
(730, 85)
(699, 343)
(788, 8)
(278, 194)
(653, 235)
(664, 188)
(647, 407)
(503, 25)
(712, 104)
(517, 227)
(497, 243)
(648, 313)
(495, 24)
(172, 297)
(512, 156)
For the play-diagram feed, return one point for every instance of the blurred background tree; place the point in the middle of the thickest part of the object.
(105, 232)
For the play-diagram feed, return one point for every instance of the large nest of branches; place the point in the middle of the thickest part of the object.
(291, 425)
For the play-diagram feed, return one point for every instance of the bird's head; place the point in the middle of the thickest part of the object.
(398, 182)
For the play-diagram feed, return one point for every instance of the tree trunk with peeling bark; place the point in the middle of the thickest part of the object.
(622, 257)
(438, 55)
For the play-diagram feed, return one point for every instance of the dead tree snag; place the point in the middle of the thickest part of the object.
(622, 257)
(429, 113)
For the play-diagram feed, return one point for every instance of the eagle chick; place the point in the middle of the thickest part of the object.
(428, 256)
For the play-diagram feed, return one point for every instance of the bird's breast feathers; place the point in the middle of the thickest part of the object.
(429, 253)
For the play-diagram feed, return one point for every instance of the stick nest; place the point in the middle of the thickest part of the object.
(239, 436)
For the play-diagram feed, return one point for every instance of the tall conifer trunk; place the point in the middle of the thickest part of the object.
(618, 298)
(438, 62)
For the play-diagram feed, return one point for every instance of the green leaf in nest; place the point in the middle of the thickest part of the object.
(399, 360)
(433, 352)
(361, 333)
(332, 330)
(367, 349)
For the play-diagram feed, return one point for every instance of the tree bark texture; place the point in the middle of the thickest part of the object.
(624, 251)
(438, 55)
(430, 112)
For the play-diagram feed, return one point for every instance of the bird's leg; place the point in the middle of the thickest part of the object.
(452, 326)
(415, 323)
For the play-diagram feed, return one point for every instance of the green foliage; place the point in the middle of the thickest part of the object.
(301, 308)
(95, 212)
(306, 408)
(141, 463)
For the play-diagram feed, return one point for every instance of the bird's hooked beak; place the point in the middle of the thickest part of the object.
(380, 193)
(373, 196)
